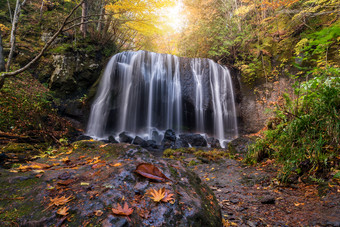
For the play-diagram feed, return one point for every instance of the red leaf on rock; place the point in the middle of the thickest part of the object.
(125, 211)
(150, 171)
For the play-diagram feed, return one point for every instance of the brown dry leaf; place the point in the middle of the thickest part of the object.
(150, 171)
(59, 201)
(33, 165)
(155, 195)
(63, 211)
(65, 160)
(126, 211)
(65, 182)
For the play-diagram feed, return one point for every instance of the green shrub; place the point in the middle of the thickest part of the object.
(306, 140)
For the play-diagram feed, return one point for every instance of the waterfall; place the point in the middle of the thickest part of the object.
(146, 93)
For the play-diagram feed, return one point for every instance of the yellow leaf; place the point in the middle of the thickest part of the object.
(63, 211)
(155, 195)
(98, 213)
(298, 204)
(59, 201)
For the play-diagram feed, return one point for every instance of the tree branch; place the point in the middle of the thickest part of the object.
(3, 76)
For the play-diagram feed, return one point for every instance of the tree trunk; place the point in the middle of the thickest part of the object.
(13, 32)
(2, 58)
(3, 76)
(102, 12)
(83, 26)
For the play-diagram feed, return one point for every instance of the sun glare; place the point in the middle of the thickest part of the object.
(173, 16)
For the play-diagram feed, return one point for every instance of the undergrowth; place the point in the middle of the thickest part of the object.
(305, 139)
(26, 108)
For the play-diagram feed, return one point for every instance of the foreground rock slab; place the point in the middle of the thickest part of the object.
(82, 184)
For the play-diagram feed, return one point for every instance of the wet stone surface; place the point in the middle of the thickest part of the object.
(91, 178)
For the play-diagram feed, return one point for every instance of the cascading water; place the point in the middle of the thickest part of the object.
(146, 93)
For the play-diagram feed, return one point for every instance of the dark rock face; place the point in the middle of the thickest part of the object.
(125, 138)
(195, 140)
(214, 143)
(240, 144)
(112, 139)
(98, 187)
(170, 135)
(139, 141)
(83, 137)
(169, 140)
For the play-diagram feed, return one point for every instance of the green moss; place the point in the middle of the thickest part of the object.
(211, 155)
(18, 147)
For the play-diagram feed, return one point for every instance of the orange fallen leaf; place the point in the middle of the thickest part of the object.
(33, 165)
(98, 213)
(155, 195)
(65, 182)
(299, 204)
(117, 164)
(65, 160)
(125, 211)
(168, 197)
(59, 201)
(69, 151)
(104, 145)
(63, 211)
(161, 195)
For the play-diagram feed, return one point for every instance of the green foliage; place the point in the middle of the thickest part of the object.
(26, 109)
(307, 138)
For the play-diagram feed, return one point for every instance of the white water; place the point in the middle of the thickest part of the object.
(142, 93)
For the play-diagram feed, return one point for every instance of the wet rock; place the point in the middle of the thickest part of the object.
(169, 140)
(181, 143)
(240, 144)
(195, 140)
(83, 137)
(152, 144)
(214, 143)
(100, 184)
(139, 141)
(268, 200)
(170, 135)
(125, 138)
(112, 139)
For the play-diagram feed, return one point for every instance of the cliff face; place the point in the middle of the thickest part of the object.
(254, 102)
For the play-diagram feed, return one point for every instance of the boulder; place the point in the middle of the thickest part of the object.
(169, 140)
(195, 140)
(125, 138)
(170, 135)
(83, 137)
(139, 141)
(95, 188)
(112, 139)
(214, 143)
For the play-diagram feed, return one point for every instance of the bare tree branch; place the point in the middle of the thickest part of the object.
(3, 76)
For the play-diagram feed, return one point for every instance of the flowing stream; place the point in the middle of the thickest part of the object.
(146, 93)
